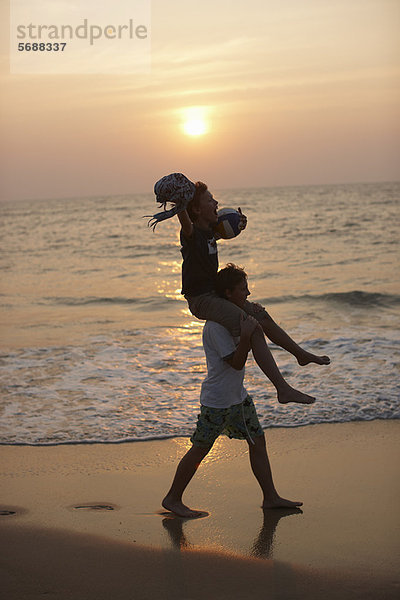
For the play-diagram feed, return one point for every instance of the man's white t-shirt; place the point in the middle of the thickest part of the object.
(223, 386)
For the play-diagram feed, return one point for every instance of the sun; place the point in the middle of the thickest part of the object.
(195, 120)
(195, 127)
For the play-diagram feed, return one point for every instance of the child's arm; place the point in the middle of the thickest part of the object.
(237, 360)
(186, 223)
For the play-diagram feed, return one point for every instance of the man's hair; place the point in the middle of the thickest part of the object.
(228, 278)
(194, 203)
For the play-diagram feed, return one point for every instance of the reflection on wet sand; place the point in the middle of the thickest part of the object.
(262, 546)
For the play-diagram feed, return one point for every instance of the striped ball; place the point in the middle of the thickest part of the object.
(228, 223)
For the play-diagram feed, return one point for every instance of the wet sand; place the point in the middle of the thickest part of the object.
(86, 521)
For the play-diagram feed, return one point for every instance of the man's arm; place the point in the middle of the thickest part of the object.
(186, 223)
(237, 360)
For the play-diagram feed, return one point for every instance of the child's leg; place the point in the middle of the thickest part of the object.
(212, 307)
(184, 473)
(267, 364)
(261, 468)
(279, 337)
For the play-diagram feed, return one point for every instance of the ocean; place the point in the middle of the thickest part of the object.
(98, 344)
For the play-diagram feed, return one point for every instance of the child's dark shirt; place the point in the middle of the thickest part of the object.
(200, 262)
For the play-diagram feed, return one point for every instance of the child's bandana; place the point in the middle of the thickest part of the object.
(175, 188)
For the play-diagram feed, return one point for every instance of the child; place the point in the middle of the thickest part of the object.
(197, 212)
(225, 405)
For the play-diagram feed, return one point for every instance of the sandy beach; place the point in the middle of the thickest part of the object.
(85, 521)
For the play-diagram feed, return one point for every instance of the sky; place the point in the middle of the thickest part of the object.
(291, 92)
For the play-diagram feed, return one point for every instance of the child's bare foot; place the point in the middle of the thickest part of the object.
(180, 509)
(289, 394)
(278, 502)
(307, 357)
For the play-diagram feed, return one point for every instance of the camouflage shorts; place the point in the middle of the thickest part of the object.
(239, 421)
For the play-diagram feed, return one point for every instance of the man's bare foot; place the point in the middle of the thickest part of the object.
(180, 509)
(289, 394)
(278, 502)
(307, 357)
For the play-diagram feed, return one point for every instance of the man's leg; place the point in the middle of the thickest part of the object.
(184, 473)
(261, 468)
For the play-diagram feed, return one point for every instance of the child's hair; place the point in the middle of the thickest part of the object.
(200, 189)
(228, 278)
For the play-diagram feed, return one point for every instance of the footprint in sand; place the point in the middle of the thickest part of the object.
(97, 507)
(11, 511)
